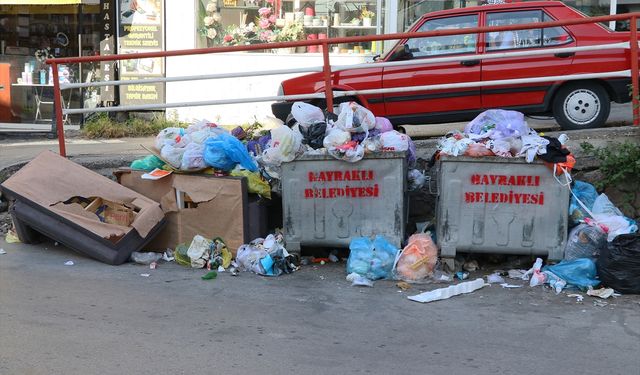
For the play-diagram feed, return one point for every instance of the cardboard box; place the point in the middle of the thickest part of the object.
(200, 204)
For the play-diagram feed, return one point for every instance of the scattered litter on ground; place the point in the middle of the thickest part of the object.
(153, 265)
(516, 274)
(359, 280)
(495, 278)
(578, 297)
(11, 237)
(69, 263)
(145, 274)
(471, 266)
(333, 258)
(462, 275)
(403, 285)
(445, 293)
(267, 257)
(220, 269)
(167, 256)
(510, 286)
(2, 251)
(210, 275)
(603, 293)
(599, 303)
(145, 258)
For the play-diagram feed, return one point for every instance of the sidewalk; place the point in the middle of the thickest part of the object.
(20, 151)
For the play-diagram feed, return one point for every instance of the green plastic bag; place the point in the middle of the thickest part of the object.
(148, 163)
(256, 184)
(181, 255)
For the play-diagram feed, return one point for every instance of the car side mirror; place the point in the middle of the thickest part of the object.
(402, 52)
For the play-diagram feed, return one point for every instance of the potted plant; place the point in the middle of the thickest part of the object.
(366, 16)
(291, 32)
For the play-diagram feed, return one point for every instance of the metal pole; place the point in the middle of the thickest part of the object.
(328, 90)
(633, 55)
(57, 106)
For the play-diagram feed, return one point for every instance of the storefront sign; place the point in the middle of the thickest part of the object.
(107, 47)
(504, 197)
(141, 29)
(345, 185)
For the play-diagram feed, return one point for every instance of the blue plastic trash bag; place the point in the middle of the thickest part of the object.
(579, 272)
(224, 151)
(587, 195)
(373, 260)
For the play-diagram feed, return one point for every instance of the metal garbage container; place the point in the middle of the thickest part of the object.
(500, 205)
(327, 202)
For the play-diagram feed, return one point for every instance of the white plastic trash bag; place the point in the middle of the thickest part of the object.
(193, 157)
(306, 114)
(497, 124)
(394, 141)
(335, 138)
(284, 146)
(171, 137)
(173, 155)
(354, 117)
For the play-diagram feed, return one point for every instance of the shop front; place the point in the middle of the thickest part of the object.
(30, 32)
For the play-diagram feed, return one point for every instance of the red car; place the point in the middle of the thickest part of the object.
(575, 104)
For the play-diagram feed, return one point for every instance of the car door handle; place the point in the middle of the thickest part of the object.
(470, 62)
(564, 54)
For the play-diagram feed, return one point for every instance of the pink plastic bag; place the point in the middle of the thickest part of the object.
(418, 259)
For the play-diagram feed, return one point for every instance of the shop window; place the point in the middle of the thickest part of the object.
(243, 22)
(450, 44)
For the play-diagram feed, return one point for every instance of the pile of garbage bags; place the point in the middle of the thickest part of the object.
(203, 252)
(503, 133)
(258, 153)
(379, 259)
(201, 145)
(348, 136)
(265, 256)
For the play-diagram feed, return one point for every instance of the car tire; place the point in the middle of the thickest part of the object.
(581, 105)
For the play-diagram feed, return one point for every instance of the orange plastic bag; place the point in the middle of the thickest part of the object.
(478, 150)
(418, 259)
(566, 166)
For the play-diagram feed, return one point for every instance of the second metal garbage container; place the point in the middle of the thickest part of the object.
(499, 205)
(327, 202)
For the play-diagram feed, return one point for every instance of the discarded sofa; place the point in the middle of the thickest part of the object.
(80, 209)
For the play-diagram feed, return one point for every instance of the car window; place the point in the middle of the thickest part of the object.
(500, 40)
(442, 45)
(553, 36)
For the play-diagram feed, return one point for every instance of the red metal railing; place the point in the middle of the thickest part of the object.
(327, 71)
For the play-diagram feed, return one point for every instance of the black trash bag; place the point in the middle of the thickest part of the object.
(313, 135)
(555, 152)
(619, 264)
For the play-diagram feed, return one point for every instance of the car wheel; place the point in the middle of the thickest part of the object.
(581, 105)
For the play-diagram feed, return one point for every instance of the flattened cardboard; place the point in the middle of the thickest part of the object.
(49, 179)
(222, 207)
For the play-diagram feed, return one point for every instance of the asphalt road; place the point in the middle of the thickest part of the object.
(92, 318)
